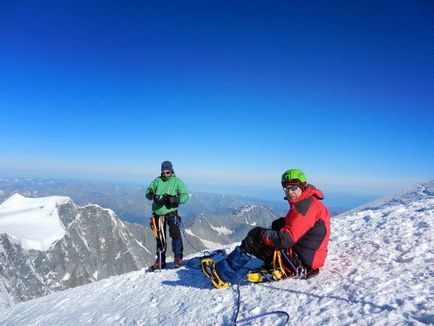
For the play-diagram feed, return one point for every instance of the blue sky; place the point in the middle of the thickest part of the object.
(232, 92)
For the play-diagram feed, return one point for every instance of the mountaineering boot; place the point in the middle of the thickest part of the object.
(261, 274)
(177, 263)
(312, 273)
(208, 268)
(156, 266)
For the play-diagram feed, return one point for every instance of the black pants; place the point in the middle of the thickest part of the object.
(253, 245)
(172, 220)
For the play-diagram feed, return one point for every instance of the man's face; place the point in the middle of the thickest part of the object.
(292, 192)
(166, 174)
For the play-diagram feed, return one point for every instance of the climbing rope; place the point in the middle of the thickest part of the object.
(248, 319)
(276, 312)
(208, 254)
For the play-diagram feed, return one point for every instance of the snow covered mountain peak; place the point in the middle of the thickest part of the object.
(34, 222)
(379, 271)
(244, 209)
(74, 245)
(418, 192)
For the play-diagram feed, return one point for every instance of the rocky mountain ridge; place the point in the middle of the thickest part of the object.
(98, 244)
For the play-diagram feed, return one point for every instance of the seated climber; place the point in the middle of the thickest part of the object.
(295, 246)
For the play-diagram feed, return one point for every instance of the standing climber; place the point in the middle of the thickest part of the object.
(167, 192)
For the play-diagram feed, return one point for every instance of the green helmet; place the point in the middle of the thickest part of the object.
(293, 174)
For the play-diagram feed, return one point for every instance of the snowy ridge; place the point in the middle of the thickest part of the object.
(34, 222)
(407, 196)
(379, 272)
(206, 243)
(245, 209)
(92, 243)
(221, 229)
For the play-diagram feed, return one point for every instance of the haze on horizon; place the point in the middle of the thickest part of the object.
(232, 93)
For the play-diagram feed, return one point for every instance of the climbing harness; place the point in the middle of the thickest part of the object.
(262, 274)
(161, 237)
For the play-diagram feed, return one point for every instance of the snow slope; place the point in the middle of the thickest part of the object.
(379, 272)
(34, 222)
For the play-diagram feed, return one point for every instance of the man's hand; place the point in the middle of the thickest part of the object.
(268, 236)
(278, 224)
(150, 194)
(172, 201)
(160, 199)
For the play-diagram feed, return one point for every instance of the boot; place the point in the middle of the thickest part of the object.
(177, 263)
(157, 266)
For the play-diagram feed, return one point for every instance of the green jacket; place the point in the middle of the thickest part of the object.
(171, 186)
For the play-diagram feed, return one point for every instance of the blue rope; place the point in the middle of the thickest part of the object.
(245, 320)
(181, 226)
(219, 251)
(206, 253)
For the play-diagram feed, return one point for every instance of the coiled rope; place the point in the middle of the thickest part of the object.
(208, 254)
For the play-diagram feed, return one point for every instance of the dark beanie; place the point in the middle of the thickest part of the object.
(166, 166)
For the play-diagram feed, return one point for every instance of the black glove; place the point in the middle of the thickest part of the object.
(278, 224)
(150, 195)
(268, 236)
(160, 199)
(171, 201)
(255, 234)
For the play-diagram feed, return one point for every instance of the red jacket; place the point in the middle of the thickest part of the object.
(306, 228)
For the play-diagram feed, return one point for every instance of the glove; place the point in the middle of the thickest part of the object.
(268, 236)
(150, 194)
(151, 224)
(160, 199)
(255, 234)
(171, 201)
(278, 224)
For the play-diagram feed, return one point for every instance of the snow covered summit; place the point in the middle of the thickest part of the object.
(72, 246)
(34, 222)
(379, 272)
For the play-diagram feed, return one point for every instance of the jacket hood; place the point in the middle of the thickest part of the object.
(310, 191)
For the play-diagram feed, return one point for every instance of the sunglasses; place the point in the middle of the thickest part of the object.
(291, 187)
(167, 172)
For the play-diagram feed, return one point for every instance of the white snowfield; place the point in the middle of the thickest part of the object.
(379, 271)
(34, 222)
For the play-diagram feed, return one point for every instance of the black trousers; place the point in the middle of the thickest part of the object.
(172, 220)
(253, 245)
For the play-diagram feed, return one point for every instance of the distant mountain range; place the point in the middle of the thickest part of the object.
(128, 201)
(379, 271)
(96, 242)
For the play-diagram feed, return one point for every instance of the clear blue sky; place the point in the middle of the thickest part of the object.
(232, 92)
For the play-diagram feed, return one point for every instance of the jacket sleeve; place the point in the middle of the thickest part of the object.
(301, 221)
(151, 189)
(182, 192)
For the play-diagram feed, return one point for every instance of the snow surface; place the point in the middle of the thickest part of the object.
(206, 243)
(34, 222)
(222, 230)
(379, 272)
